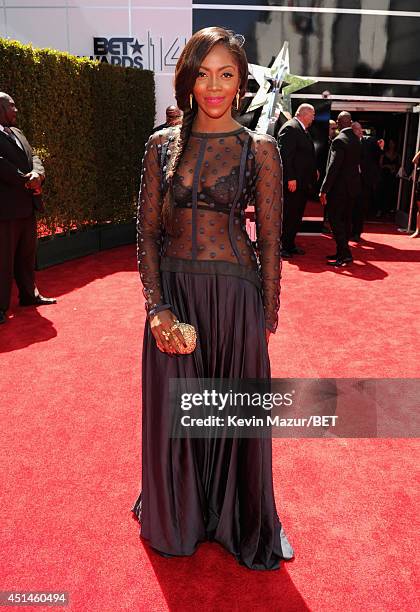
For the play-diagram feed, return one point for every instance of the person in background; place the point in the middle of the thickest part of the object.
(389, 164)
(173, 118)
(300, 174)
(21, 178)
(324, 152)
(371, 150)
(332, 130)
(341, 187)
(322, 168)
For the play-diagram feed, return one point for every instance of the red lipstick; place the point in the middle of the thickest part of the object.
(214, 100)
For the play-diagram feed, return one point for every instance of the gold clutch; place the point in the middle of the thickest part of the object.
(190, 337)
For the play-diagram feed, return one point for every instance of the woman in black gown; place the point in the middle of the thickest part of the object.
(198, 266)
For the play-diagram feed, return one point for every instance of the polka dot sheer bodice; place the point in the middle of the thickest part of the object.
(218, 177)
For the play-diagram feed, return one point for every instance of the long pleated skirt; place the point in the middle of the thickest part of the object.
(216, 489)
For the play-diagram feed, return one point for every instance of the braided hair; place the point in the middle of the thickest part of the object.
(180, 143)
(186, 72)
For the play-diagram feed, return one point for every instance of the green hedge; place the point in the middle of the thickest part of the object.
(88, 121)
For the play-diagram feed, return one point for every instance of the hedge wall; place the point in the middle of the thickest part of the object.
(88, 121)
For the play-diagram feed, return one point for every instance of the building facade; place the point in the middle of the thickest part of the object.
(139, 33)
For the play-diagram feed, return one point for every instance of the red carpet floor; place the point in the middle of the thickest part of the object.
(70, 444)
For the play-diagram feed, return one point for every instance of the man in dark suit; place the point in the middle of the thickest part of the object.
(370, 169)
(173, 118)
(21, 177)
(341, 187)
(299, 172)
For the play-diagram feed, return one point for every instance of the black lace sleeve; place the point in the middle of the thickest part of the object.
(268, 216)
(149, 223)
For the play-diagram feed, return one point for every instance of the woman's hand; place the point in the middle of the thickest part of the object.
(160, 325)
(267, 334)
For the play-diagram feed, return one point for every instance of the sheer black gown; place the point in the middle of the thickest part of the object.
(209, 272)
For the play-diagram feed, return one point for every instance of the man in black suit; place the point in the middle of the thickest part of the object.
(299, 172)
(370, 169)
(342, 186)
(173, 118)
(21, 177)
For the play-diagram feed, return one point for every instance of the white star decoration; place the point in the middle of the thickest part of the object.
(270, 81)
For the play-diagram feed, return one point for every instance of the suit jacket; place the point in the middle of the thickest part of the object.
(298, 156)
(343, 169)
(369, 161)
(16, 201)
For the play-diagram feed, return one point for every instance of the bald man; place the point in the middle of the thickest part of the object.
(173, 117)
(21, 178)
(341, 187)
(299, 173)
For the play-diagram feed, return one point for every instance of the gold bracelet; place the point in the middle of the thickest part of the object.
(155, 321)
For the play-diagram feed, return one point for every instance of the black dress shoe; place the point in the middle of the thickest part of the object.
(297, 251)
(39, 300)
(339, 263)
(331, 257)
(3, 317)
(286, 254)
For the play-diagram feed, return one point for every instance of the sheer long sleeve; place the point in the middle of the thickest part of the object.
(268, 216)
(149, 224)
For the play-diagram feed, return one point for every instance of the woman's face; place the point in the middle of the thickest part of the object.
(217, 83)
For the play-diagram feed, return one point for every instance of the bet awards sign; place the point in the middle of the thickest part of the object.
(151, 54)
(123, 51)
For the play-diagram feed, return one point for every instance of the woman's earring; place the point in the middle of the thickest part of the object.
(237, 101)
(191, 101)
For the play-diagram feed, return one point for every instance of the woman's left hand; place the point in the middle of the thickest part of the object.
(166, 338)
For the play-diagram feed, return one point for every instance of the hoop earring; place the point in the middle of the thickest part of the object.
(237, 100)
(191, 101)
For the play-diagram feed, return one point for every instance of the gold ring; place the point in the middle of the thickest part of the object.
(166, 334)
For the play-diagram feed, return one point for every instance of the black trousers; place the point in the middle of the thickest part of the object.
(17, 259)
(340, 215)
(362, 206)
(293, 209)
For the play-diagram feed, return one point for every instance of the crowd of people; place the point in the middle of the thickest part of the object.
(356, 176)
(340, 185)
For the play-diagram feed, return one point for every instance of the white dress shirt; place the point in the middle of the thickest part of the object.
(16, 139)
(303, 127)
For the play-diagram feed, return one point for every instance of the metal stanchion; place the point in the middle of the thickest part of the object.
(403, 161)
(413, 195)
(413, 188)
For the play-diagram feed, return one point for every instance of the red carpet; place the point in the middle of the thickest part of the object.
(71, 413)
